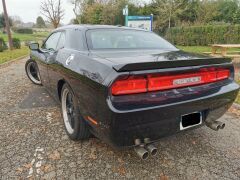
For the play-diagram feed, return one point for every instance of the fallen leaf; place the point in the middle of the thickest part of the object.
(55, 155)
(19, 170)
(122, 170)
(163, 177)
(28, 166)
(47, 168)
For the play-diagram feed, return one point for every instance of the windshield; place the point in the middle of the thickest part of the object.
(126, 39)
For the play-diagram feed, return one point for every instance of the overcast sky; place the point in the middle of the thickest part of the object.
(29, 10)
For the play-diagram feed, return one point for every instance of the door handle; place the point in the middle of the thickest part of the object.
(69, 59)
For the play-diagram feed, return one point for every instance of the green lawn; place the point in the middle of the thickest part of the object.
(202, 49)
(195, 49)
(36, 36)
(10, 55)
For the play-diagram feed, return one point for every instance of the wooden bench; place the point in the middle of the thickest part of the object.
(223, 50)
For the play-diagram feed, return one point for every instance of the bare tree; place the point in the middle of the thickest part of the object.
(53, 11)
(7, 25)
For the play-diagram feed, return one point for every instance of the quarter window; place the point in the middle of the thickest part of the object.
(74, 39)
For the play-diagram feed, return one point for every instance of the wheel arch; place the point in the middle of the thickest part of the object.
(59, 87)
(60, 84)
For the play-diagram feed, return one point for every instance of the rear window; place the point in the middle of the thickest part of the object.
(126, 39)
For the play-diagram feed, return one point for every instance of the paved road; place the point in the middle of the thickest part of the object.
(33, 144)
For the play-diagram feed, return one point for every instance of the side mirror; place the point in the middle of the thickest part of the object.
(34, 46)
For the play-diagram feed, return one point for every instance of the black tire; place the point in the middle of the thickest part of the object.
(75, 126)
(32, 72)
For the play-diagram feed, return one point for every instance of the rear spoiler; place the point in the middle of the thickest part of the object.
(169, 64)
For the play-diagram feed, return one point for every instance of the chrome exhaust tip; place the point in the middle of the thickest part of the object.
(152, 149)
(221, 124)
(141, 152)
(216, 125)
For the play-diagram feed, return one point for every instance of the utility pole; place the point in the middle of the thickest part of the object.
(10, 42)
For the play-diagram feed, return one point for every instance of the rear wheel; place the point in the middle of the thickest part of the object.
(75, 125)
(32, 72)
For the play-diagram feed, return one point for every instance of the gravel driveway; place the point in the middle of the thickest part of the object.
(33, 143)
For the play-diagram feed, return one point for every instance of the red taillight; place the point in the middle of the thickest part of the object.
(131, 85)
(223, 74)
(157, 82)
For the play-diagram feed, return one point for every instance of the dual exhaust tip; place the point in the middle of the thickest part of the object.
(215, 125)
(143, 150)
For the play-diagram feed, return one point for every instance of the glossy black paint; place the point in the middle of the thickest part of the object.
(121, 119)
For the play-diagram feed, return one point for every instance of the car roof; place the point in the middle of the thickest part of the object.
(88, 26)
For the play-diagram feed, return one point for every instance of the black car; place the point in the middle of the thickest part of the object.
(129, 87)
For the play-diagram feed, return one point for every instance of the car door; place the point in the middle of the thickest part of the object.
(55, 66)
(46, 56)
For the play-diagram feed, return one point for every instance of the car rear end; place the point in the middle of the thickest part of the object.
(158, 102)
(156, 90)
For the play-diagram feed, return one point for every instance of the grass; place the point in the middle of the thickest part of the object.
(195, 49)
(238, 97)
(202, 49)
(10, 55)
(36, 36)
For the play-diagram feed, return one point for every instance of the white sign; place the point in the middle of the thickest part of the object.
(142, 22)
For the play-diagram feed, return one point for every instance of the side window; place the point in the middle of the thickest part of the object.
(61, 41)
(74, 39)
(52, 41)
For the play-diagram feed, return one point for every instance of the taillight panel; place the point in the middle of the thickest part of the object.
(131, 85)
(158, 82)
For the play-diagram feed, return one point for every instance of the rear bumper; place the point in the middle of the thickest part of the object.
(125, 124)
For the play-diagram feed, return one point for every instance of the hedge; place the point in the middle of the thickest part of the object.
(204, 35)
(24, 31)
(16, 43)
(3, 45)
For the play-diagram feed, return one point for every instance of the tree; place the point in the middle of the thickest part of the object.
(2, 21)
(190, 11)
(226, 10)
(40, 23)
(53, 11)
(207, 11)
(168, 11)
(7, 25)
(79, 5)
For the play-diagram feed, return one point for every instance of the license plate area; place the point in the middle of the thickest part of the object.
(190, 120)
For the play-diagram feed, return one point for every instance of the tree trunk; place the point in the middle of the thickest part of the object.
(10, 42)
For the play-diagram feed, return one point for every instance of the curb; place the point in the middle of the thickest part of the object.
(8, 63)
(236, 106)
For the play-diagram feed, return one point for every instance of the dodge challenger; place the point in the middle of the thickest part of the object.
(130, 87)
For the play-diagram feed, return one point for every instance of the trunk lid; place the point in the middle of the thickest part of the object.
(154, 59)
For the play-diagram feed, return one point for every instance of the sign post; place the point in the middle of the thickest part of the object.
(125, 13)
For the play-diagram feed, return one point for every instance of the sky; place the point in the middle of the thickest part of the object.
(29, 10)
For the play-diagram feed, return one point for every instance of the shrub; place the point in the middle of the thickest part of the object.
(3, 45)
(16, 43)
(24, 31)
(204, 35)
